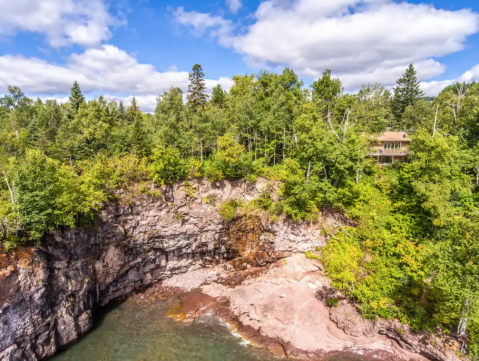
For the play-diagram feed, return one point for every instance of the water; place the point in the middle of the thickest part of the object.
(133, 332)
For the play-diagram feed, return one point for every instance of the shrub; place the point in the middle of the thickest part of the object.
(264, 200)
(311, 255)
(116, 172)
(333, 302)
(213, 171)
(168, 166)
(189, 189)
(228, 210)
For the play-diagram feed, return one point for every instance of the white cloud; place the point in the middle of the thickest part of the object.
(201, 23)
(362, 41)
(63, 22)
(234, 5)
(433, 88)
(106, 70)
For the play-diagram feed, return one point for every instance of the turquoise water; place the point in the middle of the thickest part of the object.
(132, 332)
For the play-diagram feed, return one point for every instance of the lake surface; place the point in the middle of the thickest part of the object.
(133, 332)
(143, 332)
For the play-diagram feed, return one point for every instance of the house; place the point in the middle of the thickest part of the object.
(390, 146)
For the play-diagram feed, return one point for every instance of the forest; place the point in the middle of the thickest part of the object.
(411, 251)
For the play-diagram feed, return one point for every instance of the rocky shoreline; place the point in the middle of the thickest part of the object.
(49, 293)
(283, 308)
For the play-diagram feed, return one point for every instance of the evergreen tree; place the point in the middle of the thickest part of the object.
(326, 88)
(76, 97)
(219, 95)
(121, 108)
(133, 111)
(407, 92)
(197, 97)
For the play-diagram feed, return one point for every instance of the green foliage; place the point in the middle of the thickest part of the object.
(265, 199)
(407, 92)
(76, 97)
(189, 189)
(197, 89)
(311, 255)
(325, 88)
(167, 166)
(333, 302)
(342, 261)
(49, 195)
(228, 210)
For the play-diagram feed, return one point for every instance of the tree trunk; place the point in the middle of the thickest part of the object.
(435, 123)
(255, 145)
(461, 329)
(249, 143)
(12, 196)
(201, 150)
(284, 145)
(336, 182)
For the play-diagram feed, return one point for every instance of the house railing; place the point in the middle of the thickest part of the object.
(389, 152)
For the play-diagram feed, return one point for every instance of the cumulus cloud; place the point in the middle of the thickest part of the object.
(433, 88)
(234, 5)
(107, 69)
(62, 22)
(362, 41)
(201, 23)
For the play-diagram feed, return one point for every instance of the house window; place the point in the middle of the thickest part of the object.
(392, 145)
(386, 160)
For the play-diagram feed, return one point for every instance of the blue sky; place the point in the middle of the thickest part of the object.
(143, 47)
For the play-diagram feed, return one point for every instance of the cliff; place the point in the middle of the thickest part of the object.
(251, 271)
(48, 293)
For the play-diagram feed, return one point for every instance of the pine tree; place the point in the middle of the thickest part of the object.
(407, 92)
(197, 97)
(133, 111)
(219, 95)
(326, 88)
(76, 97)
(121, 108)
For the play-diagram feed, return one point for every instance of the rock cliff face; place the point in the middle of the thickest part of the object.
(48, 293)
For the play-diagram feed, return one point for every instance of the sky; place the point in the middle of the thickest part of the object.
(142, 48)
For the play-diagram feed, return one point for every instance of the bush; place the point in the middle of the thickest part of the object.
(213, 171)
(116, 172)
(333, 302)
(311, 255)
(228, 210)
(168, 166)
(264, 200)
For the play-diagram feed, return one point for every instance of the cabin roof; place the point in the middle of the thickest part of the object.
(394, 137)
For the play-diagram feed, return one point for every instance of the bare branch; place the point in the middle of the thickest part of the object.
(331, 124)
(337, 223)
(9, 188)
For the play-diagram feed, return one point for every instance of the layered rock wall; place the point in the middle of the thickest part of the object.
(48, 293)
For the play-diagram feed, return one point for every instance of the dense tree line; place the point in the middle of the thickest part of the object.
(413, 253)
